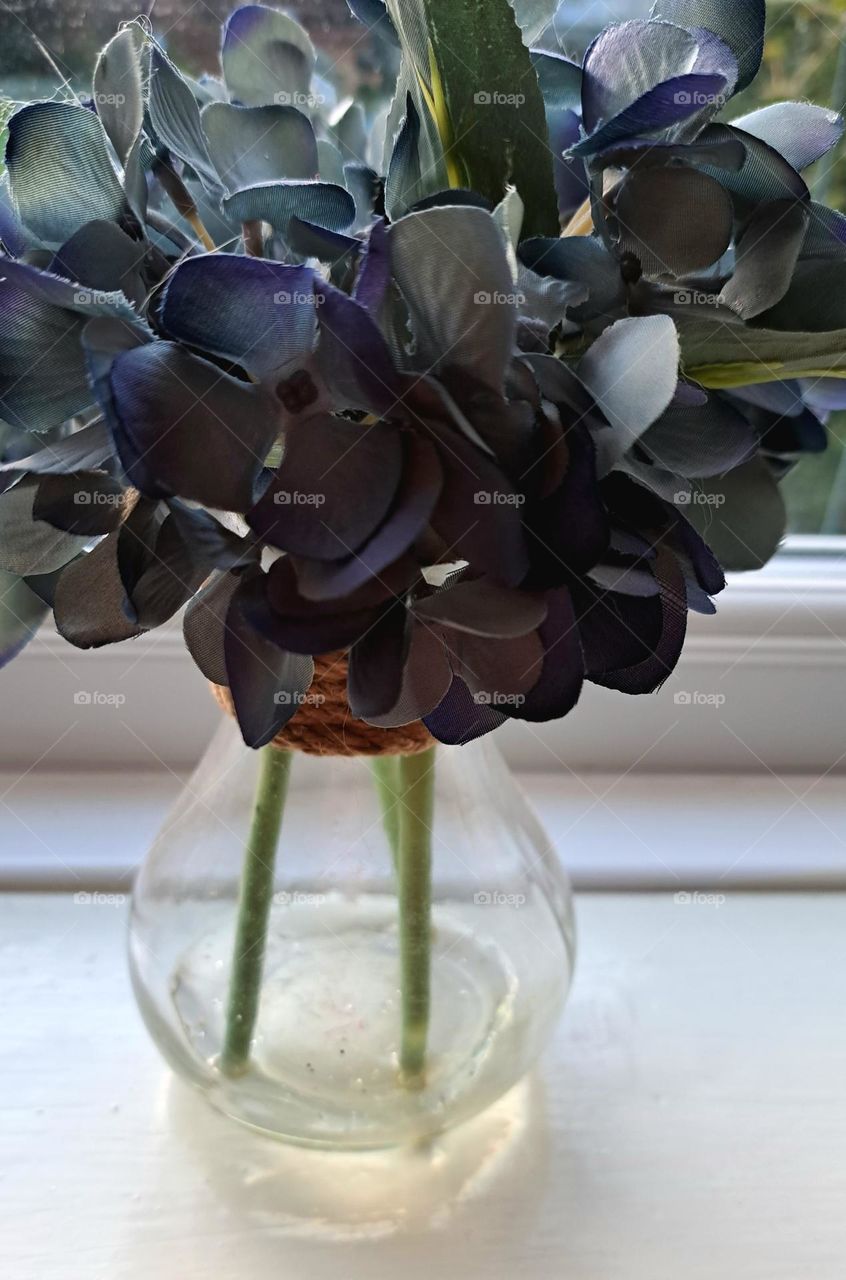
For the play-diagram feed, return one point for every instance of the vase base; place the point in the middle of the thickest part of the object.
(324, 1065)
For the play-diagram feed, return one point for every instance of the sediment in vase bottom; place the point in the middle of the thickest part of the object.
(324, 1063)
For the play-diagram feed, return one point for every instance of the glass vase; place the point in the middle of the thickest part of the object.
(344, 989)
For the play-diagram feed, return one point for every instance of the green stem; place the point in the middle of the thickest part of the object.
(254, 904)
(385, 770)
(414, 867)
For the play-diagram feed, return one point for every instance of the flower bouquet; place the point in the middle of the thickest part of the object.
(422, 415)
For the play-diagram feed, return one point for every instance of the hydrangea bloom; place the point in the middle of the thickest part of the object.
(327, 402)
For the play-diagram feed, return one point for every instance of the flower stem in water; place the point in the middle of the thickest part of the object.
(416, 787)
(254, 904)
(385, 770)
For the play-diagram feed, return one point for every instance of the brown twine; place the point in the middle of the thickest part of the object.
(325, 726)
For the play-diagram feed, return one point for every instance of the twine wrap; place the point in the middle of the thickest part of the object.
(328, 727)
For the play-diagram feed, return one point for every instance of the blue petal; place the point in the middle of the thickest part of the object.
(21, 613)
(259, 144)
(630, 61)
(42, 367)
(60, 172)
(738, 23)
(560, 79)
(258, 313)
(277, 202)
(267, 57)
(175, 116)
(799, 131)
(105, 260)
(667, 104)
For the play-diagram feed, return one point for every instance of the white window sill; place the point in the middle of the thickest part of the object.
(89, 830)
(687, 1121)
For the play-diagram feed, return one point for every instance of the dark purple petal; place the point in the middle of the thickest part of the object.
(267, 683)
(90, 598)
(478, 515)
(416, 496)
(499, 673)
(334, 487)
(308, 626)
(557, 679)
(89, 503)
(675, 220)
(571, 185)
(426, 678)
(183, 428)
(628, 580)
(483, 608)
(633, 643)
(353, 357)
(311, 241)
(667, 104)
(204, 626)
(459, 718)
(377, 662)
(374, 270)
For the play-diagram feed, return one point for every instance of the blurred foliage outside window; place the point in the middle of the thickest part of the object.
(805, 59)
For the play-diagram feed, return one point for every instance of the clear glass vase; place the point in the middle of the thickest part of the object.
(318, 1051)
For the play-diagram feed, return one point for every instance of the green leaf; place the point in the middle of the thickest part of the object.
(477, 80)
(719, 350)
(740, 515)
